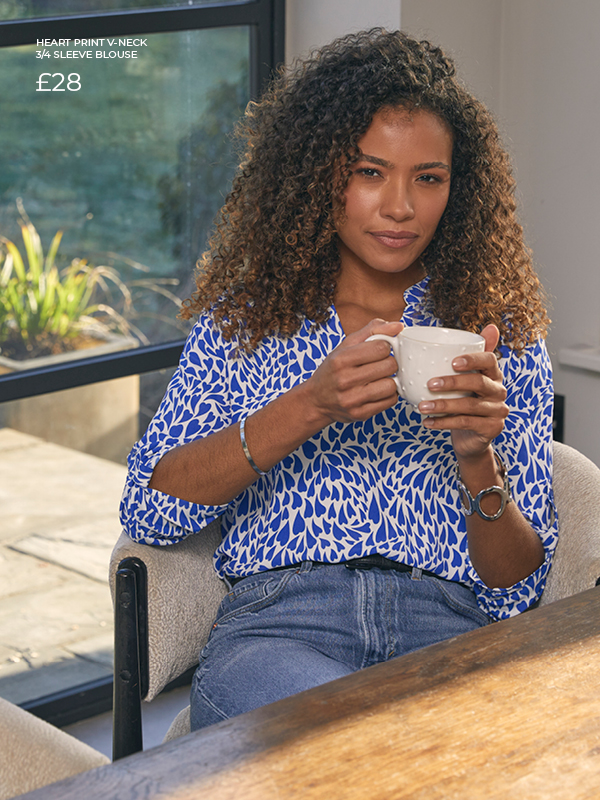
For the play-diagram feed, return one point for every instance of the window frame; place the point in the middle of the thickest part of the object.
(266, 19)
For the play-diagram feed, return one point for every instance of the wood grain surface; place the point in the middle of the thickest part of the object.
(508, 711)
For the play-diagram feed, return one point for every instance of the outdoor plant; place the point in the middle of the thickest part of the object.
(46, 310)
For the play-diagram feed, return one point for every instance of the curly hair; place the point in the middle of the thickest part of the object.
(273, 257)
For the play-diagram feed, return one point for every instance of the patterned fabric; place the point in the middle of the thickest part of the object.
(384, 486)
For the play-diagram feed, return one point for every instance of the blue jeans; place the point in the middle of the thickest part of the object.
(283, 631)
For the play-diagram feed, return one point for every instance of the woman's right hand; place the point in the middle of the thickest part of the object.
(355, 381)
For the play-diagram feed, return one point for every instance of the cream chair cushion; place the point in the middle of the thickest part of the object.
(576, 561)
(34, 753)
(184, 593)
(180, 726)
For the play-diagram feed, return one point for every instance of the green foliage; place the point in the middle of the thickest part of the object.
(42, 307)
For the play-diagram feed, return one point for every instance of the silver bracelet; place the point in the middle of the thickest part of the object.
(471, 504)
(245, 447)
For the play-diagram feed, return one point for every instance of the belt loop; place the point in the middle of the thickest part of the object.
(416, 573)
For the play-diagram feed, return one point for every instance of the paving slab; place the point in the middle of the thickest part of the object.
(71, 612)
(14, 566)
(48, 487)
(98, 649)
(58, 525)
(84, 548)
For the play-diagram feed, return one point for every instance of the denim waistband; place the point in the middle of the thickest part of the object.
(374, 561)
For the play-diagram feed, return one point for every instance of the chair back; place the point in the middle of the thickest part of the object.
(184, 593)
(576, 561)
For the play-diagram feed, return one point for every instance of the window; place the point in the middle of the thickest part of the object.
(117, 137)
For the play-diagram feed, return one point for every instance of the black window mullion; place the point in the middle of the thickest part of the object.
(267, 45)
(42, 380)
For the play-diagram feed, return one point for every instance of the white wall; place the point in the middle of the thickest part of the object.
(468, 30)
(536, 63)
(312, 23)
(550, 104)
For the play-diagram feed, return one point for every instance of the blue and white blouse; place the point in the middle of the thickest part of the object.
(383, 486)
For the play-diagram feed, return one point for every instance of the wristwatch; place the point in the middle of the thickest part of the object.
(471, 504)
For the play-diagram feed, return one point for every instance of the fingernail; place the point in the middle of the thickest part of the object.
(426, 406)
(459, 362)
(435, 383)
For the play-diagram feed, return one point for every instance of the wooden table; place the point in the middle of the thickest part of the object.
(507, 711)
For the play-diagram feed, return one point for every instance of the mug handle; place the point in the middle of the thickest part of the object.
(391, 340)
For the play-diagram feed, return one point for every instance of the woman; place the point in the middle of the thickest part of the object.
(373, 194)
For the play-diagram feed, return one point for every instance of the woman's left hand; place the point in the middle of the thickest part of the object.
(475, 421)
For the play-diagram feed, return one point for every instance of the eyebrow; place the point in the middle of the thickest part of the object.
(432, 165)
(374, 160)
(417, 168)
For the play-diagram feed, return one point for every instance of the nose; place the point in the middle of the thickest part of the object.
(397, 201)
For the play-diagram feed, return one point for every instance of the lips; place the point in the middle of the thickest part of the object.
(395, 239)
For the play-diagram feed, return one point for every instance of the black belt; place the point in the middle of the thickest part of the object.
(381, 562)
(374, 561)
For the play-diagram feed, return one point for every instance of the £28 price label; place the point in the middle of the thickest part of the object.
(56, 82)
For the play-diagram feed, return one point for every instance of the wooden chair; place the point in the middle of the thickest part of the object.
(166, 598)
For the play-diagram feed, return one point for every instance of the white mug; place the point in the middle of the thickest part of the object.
(424, 352)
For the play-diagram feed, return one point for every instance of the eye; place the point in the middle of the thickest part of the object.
(429, 178)
(368, 172)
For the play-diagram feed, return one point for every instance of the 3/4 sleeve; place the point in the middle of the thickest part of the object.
(525, 445)
(195, 405)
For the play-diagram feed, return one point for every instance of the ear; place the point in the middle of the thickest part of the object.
(491, 334)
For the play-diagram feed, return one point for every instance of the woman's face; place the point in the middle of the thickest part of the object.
(396, 194)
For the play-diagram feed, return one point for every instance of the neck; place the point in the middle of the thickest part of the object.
(361, 297)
